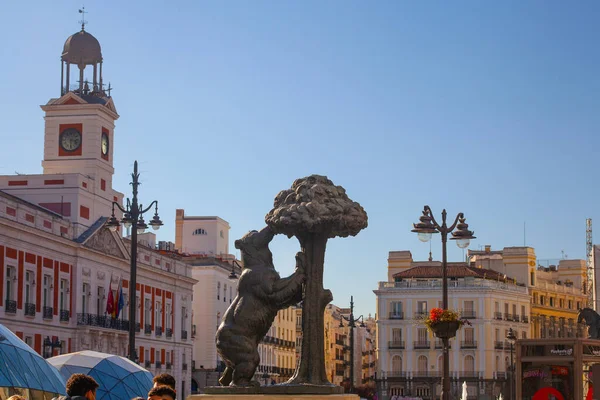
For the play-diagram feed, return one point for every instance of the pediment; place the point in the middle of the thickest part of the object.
(110, 104)
(69, 98)
(107, 242)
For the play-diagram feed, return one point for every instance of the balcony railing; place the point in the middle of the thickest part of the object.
(422, 344)
(508, 316)
(397, 374)
(147, 364)
(468, 344)
(65, 315)
(501, 375)
(421, 314)
(396, 344)
(193, 331)
(469, 374)
(158, 331)
(137, 327)
(427, 374)
(169, 332)
(498, 315)
(102, 321)
(11, 307)
(184, 366)
(168, 365)
(396, 315)
(440, 345)
(507, 345)
(183, 335)
(30, 309)
(468, 314)
(516, 317)
(157, 364)
(436, 284)
(147, 329)
(524, 318)
(47, 312)
(499, 345)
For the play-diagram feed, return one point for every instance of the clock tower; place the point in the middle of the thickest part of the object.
(79, 125)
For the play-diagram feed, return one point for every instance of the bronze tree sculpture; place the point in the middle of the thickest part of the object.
(314, 210)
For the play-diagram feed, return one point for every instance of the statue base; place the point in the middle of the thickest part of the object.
(276, 390)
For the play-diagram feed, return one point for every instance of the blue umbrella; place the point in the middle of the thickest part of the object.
(22, 369)
(118, 377)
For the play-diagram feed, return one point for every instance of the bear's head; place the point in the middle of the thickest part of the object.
(254, 247)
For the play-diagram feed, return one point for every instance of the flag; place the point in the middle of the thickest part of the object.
(110, 303)
(116, 303)
(121, 302)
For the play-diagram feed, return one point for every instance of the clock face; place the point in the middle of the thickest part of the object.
(70, 139)
(104, 143)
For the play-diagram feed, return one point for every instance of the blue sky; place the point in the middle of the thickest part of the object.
(489, 108)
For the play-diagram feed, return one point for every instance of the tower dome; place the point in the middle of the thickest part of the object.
(82, 48)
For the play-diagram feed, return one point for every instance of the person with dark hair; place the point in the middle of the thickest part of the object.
(162, 392)
(164, 380)
(80, 387)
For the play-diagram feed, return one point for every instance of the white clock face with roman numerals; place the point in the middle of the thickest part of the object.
(104, 144)
(70, 139)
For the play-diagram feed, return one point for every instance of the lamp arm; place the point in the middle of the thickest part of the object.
(154, 203)
(460, 215)
(435, 223)
(119, 206)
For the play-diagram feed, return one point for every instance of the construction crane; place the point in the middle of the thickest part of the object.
(589, 247)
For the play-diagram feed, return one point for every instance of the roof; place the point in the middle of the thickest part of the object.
(456, 270)
(29, 204)
(91, 230)
(82, 48)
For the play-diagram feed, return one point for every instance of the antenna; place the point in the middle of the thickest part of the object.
(524, 235)
(591, 273)
(83, 21)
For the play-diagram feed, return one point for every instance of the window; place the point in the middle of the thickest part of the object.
(524, 335)
(184, 316)
(469, 306)
(396, 335)
(469, 335)
(230, 294)
(570, 304)
(199, 231)
(225, 293)
(469, 363)
(514, 309)
(147, 355)
(396, 309)
(158, 313)
(396, 364)
(99, 300)
(84, 298)
(28, 282)
(578, 305)
(422, 307)
(422, 335)
(532, 278)
(168, 316)
(10, 285)
(497, 335)
(221, 234)
(551, 301)
(63, 295)
(422, 363)
(29, 341)
(561, 303)
(497, 307)
(125, 311)
(47, 294)
(147, 311)
(542, 300)
(505, 308)
(218, 290)
(523, 311)
(157, 356)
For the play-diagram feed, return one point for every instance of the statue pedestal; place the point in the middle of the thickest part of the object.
(273, 396)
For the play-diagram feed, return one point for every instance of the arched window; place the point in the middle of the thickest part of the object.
(199, 231)
(396, 364)
(422, 363)
(469, 363)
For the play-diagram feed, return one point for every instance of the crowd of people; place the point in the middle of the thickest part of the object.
(83, 387)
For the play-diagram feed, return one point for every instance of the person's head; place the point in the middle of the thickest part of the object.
(164, 380)
(16, 397)
(82, 385)
(161, 393)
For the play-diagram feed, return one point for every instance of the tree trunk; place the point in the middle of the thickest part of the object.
(312, 360)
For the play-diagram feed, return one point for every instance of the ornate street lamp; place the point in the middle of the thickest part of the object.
(511, 337)
(427, 226)
(133, 218)
(233, 276)
(352, 324)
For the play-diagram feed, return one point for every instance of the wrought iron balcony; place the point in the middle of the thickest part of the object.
(183, 335)
(158, 331)
(499, 345)
(169, 332)
(422, 344)
(102, 321)
(147, 364)
(193, 331)
(468, 344)
(157, 364)
(47, 312)
(184, 366)
(468, 314)
(11, 307)
(440, 345)
(147, 329)
(137, 327)
(516, 317)
(30, 309)
(427, 374)
(469, 374)
(524, 318)
(396, 344)
(498, 315)
(396, 315)
(421, 314)
(168, 365)
(64, 315)
(508, 316)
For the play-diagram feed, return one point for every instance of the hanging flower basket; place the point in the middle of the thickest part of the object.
(444, 323)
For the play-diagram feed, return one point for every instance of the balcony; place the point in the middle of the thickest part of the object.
(507, 345)
(498, 315)
(516, 317)
(147, 364)
(30, 309)
(339, 342)
(499, 345)
(137, 327)
(168, 365)
(396, 344)
(421, 314)
(102, 321)
(184, 366)
(64, 315)
(157, 364)
(396, 315)
(427, 374)
(183, 335)
(440, 345)
(11, 307)
(469, 374)
(47, 312)
(193, 331)
(468, 344)
(397, 374)
(508, 317)
(501, 375)
(524, 318)
(169, 332)
(422, 344)
(158, 331)
(147, 329)
(468, 314)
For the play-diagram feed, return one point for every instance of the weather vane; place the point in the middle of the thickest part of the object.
(83, 21)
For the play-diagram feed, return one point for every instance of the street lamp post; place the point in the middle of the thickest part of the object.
(133, 217)
(511, 338)
(425, 228)
(352, 324)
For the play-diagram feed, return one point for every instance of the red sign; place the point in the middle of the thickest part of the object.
(544, 393)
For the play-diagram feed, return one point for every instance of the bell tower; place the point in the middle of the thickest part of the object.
(79, 125)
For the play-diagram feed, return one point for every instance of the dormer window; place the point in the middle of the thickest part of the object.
(199, 231)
